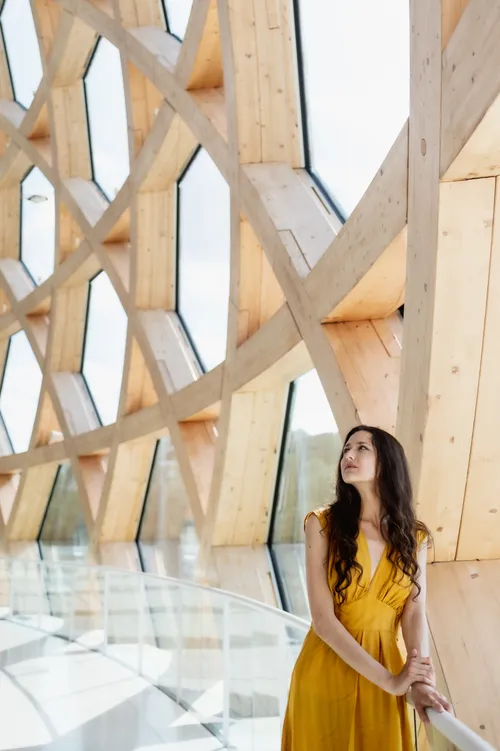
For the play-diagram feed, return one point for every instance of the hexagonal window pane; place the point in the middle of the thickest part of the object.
(107, 117)
(23, 52)
(167, 537)
(20, 392)
(177, 15)
(38, 225)
(204, 246)
(311, 449)
(64, 521)
(356, 78)
(104, 350)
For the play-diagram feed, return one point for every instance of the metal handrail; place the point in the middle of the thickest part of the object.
(448, 725)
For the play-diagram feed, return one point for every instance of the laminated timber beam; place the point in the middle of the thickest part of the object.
(305, 291)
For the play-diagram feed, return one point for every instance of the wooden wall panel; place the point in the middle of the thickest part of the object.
(244, 504)
(480, 523)
(464, 619)
(31, 501)
(127, 487)
(305, 291)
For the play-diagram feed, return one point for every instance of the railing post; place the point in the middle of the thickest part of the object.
(283, 666)
(73, 599)
(179, 635)
(11, 589)
(140, 625)
(226, 670)
(41, 569)
(105, 624)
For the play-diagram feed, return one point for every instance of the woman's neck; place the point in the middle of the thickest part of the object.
(371, 507)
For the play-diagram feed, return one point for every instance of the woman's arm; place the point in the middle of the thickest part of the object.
(416, 636)
(332, 632)
(414, 620)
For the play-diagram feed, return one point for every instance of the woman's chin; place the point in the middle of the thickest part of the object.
(349, 480)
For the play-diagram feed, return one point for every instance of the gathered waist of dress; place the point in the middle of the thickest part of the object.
(372, 615)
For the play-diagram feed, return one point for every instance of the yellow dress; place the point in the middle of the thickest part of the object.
(331, 707)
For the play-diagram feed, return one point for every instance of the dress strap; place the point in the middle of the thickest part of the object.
(319, 513)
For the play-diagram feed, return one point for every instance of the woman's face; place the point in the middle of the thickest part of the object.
(359, 460)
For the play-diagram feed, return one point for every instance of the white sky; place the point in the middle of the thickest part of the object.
(20, 391)
(356, 69)
(22, 49)
(311, 411)
(204, 227)
(107, 119)
(105, 347)
(38, 226)
(178, 16)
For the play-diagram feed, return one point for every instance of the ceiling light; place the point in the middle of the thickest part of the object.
(35, 198)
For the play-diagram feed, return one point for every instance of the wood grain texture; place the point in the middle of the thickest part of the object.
(464, 618)
(304, 290)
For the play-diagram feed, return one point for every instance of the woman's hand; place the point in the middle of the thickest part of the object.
(416, 670)
(424, 696)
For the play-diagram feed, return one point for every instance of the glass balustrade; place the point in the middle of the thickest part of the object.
(224, 658)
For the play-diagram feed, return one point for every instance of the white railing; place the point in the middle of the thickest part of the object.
(225, 658)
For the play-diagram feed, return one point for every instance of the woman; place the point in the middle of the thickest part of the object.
(365, 561)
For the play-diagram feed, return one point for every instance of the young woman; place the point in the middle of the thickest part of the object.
(365, 560)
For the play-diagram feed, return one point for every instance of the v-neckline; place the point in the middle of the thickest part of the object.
(373, 571)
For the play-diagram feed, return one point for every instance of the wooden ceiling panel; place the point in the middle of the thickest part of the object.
(305, 291)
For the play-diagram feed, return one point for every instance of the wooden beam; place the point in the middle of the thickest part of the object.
(449, 241)
(200, 61)
(266, 87)
(47, 15)
(381, 291)
(250, 464)
(471, 76)
(134, 13)
(369, 356)
(118, 518)
(260, 295)
(374, 226)
(281, 200)
(31, 500)
(480, 522)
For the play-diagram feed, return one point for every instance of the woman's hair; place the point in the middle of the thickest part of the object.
(398, 524)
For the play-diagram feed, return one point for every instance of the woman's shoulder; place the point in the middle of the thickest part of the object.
(319, 513)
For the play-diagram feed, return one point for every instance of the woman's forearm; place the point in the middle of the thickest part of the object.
(333, 633)
(416, 632)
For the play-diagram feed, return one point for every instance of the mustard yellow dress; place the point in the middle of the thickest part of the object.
(331, 707)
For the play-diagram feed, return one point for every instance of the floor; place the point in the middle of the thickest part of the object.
(59, 696)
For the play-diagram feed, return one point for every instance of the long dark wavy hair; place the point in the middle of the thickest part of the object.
(398, 525)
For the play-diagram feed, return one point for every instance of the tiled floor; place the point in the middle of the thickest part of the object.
(58, 696)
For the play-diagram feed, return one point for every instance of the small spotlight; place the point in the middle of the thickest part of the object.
(35, 198)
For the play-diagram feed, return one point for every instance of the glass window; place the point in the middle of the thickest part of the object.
(107, 118)
(38, 225)
(168, 541)
(356, 77)
(20, 392)
(104, 351)
(23, 52)
(204, 246)
(311, 451)
(177, 14)
(64, 520)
